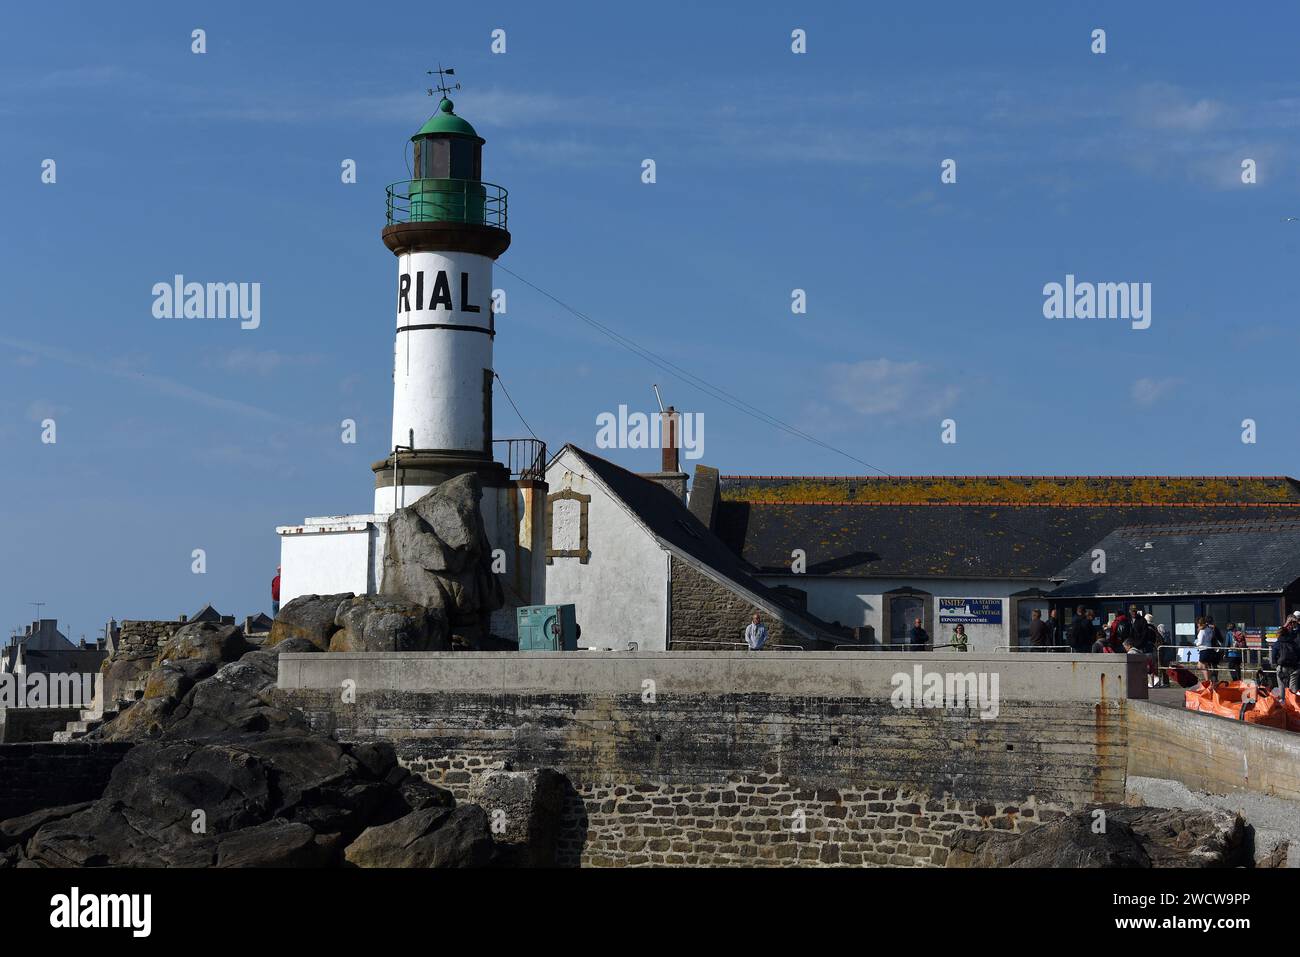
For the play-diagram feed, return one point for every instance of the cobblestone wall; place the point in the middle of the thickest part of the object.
(753, 820)
(753, 778)
(139, 639)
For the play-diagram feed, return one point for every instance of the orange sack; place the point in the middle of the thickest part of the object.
(1241, 701)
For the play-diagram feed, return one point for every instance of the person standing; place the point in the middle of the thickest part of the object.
(1286, 657)
(1040, 636)
(755, 634)
(1081, 632)
(1056, 629)
(958, 641)
(918, 639)
(275, 593)
(1235, 640)
(1208, 654)
(1121, 630)
(1139, 621)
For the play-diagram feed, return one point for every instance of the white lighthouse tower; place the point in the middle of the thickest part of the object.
(446, 227)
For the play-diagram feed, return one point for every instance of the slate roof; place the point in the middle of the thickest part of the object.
(1203, 558)
(859, 539)
(70, 661)
(1013, 489)
(668, 518)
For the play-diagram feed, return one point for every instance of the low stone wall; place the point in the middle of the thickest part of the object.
(34, 724)
(714, 759)
(141, 639)
(127, 668)
(1209, 753)
(34, 776)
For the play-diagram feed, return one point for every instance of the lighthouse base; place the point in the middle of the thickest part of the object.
(333, 554)
(414, 473)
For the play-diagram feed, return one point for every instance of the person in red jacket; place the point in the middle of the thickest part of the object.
(275, 593)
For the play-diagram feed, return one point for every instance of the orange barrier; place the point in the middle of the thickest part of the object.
(1292, 705)
(1243, 701)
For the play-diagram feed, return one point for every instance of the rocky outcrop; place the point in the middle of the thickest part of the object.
(310, 617)
(382, 623)
(220, 776)
(204, 641)
(433, 837)
(1121, 836)
(438, 556)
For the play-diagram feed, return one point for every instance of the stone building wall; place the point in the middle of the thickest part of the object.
(36, 776)
(708, 617)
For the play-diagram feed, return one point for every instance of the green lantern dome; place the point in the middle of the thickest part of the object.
(446, 122)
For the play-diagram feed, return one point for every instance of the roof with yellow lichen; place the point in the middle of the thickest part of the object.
(1091, 490)
(978, 527)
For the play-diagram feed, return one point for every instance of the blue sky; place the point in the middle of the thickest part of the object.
(775, 171)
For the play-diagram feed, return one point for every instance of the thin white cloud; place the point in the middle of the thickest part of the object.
(1166, 107)
(41, 409)
(259, 362)
(885, 387)
(1147, 391)
(160, 384)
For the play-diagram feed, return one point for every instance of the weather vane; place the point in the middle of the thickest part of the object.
(442, 87)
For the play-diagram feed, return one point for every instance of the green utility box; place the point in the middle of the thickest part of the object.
(547, 628)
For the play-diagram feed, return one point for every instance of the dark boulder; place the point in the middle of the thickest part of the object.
(273, 844)
(203, 641)
(432, 837)
(384, 623)
(1124, 837)
(307, 616)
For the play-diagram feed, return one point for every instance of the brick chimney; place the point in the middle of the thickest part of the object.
(671, 475)
(668, 426)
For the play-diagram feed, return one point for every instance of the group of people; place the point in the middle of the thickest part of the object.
(1137, 633)
(1131, 632)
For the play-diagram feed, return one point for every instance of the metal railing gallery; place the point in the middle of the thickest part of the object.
(447, 201)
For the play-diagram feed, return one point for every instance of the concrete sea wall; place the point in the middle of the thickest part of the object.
(736, 758)
(1209, 753)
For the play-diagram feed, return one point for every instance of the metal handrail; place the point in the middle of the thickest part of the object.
(739, 644)
(525, 458)
(446, 201)
(1033, 647)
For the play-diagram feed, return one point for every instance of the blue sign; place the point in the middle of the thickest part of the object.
(970, 611)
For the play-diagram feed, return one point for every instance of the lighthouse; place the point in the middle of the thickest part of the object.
(446, 227)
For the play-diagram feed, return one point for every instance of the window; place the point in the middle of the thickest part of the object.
(462, 159)
(566, 521)
(903, 610)
(1185, 623)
